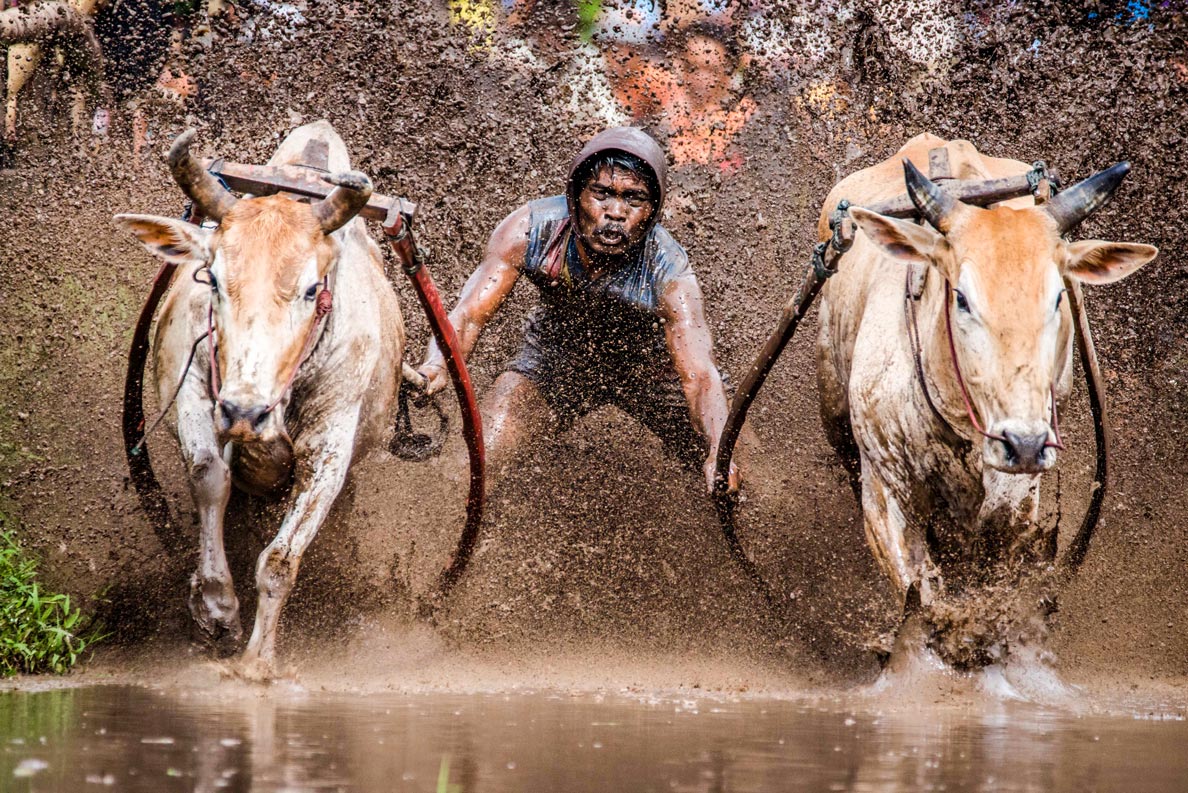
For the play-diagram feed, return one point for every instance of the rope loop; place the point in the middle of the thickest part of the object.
(1038, 173)
(820, 268)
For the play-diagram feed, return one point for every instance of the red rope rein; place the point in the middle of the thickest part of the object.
(969, 409)
(322, 308)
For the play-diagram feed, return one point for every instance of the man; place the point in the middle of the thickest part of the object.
(620, 320)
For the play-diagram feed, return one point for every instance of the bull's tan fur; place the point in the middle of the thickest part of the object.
(937, 513)
(266, 253)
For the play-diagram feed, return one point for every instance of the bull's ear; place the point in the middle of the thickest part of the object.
(1101, 262)
(175, 241)
(899, 239)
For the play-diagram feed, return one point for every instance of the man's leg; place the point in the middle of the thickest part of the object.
(660, 405)
(516, 416)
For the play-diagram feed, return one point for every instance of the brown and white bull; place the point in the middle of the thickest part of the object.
(298, 390)
(951, 508)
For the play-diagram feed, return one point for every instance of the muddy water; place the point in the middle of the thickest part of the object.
(600, 538)
(139, 739)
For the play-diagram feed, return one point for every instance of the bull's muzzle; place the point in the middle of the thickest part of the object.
(242, 424)
(1020, 447)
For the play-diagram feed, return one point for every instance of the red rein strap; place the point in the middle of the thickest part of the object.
(323, 306)
(973, 417)
(399, 233)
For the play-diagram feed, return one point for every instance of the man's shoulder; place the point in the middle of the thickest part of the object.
(544, 217)
(669, 257)
(554, 207)
(664, 239)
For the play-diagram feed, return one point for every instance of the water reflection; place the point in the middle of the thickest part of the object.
(135, 739)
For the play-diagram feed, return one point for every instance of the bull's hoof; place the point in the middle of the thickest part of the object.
(215, 610)
(254, 670)
(910, 662)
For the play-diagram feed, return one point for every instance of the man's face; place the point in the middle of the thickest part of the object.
(613, 211)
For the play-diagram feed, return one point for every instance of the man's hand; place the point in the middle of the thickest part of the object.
(711, 474)
(436, 377)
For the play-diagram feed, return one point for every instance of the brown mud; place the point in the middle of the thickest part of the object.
(600, 550)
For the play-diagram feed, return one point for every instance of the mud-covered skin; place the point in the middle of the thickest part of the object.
(338, 406)
(945, 509)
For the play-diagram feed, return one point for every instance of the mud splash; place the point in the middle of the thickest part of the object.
(599, 539)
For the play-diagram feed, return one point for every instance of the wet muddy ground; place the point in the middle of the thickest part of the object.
(600, 546)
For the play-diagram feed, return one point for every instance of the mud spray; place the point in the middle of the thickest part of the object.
(599, 550)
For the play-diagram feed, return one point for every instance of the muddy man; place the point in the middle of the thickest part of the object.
(620, 320)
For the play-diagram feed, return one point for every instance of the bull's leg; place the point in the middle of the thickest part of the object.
(213, 604)
(835, 412)
(840, 434)
(22, 62)
(902, 554)
(886, 533)
(329, 457)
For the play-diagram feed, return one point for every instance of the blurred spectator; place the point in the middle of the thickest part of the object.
(704, 110)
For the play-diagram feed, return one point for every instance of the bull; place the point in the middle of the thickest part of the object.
(26, 28)
(943, 351)
(296, 376)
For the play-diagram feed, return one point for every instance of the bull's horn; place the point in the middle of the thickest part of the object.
(209, 197)
(350, 195)
(1078, 202)
(930, 200)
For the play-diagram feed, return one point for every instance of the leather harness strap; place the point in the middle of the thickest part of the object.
(323, 307)
(913, 332)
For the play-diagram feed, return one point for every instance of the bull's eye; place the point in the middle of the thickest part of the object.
(962, 303)
(312, 292)
(214, 283)
(1059, 299)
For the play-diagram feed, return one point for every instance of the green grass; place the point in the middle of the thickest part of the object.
(443, 778)
(40, 631)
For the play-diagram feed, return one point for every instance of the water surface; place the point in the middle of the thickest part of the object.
(140, 739)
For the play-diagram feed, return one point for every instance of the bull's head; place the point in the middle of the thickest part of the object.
(267, 262)
(1011, 326)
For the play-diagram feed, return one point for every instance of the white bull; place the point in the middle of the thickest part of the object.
(298, 392)
(950, 508)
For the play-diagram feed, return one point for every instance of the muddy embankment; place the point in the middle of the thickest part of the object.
(600, 543)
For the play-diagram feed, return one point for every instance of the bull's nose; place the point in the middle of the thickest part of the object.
(252, 416)
(1025, 450)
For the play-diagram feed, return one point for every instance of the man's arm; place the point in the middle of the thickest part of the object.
(692, 351)
(483, 294)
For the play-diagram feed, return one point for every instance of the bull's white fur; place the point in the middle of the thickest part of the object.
(342, 399)
(913, 472)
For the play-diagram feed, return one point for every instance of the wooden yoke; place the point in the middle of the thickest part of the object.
(979, 192)
(304, 181)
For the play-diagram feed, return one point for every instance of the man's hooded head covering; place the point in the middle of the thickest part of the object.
(629, 140)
